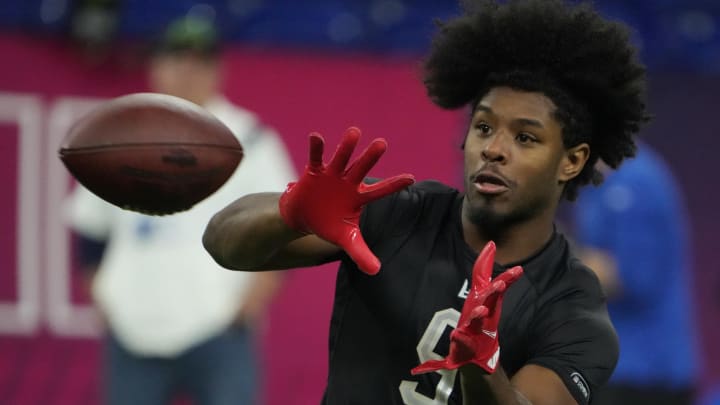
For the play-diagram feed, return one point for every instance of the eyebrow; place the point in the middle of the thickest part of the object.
(522, 121)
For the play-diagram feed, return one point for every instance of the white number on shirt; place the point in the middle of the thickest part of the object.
(426, 351)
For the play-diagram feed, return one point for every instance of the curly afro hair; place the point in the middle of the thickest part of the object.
(581, 61)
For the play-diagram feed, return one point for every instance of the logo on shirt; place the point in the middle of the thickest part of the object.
(581, 384)
(464, 290)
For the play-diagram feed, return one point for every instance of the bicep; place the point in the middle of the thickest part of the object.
(574, 339)
(541, 386)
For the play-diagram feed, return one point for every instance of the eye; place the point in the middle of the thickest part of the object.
(524, 137)
(483, 128)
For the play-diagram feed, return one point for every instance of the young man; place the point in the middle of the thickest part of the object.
(552, 89)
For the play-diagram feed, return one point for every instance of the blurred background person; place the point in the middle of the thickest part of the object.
(177, 323)
(633, 231)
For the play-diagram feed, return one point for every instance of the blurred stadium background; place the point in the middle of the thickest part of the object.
(303, 66)
(674, 34)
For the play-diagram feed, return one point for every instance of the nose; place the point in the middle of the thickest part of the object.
(495, 151)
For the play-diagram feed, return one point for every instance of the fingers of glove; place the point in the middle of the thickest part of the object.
(475, 316)
(361, 167)
(494, 304)
(354, 245)
(317, 144)
(483, 267)
(344, 150)
(492, 293)
(430, 366)
(499, 286)
(510, 276)
(489, 295)
(372, 192)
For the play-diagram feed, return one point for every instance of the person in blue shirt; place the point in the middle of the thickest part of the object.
(632, 230)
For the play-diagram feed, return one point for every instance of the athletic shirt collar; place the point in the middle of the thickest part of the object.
(545, 257)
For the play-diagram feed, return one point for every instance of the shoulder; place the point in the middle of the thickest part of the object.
(424, 196)
(554, 270)
(571, 280)
(433, 187)
(578, 276)
(568, 298)
(425, 203)
(425, 187)
(571, 332)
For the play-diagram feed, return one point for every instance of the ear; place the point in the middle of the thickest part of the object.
(573, 162)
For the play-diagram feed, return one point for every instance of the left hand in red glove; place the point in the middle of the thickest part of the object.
(475, 340)
(328, 198)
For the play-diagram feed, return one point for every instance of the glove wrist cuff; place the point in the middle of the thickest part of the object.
(489, 365)
(284, 206)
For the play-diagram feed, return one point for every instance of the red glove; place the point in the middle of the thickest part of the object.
(475, 340)
(327, 199)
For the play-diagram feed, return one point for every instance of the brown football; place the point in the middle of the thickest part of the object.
(151, 153)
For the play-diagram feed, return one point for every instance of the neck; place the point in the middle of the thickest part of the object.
(516, 241)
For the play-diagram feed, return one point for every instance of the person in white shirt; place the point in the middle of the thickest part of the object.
(176, 321)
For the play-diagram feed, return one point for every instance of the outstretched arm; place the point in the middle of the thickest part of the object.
(312, 221)
(250, 234)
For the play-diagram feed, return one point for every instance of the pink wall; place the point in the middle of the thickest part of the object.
(48, 356)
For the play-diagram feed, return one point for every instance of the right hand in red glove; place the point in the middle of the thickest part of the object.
(327, 199)
(475, 340)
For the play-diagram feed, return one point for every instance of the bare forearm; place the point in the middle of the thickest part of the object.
(479, 387)
(247, 233)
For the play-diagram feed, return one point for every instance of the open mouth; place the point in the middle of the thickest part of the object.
(487, 183)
